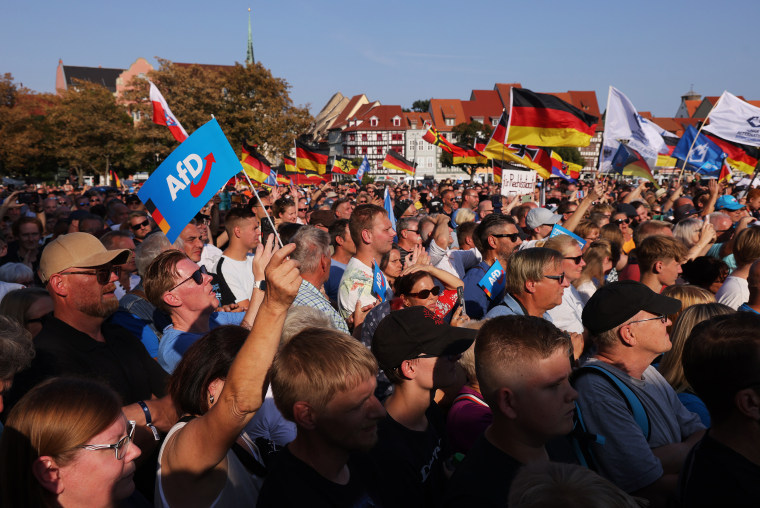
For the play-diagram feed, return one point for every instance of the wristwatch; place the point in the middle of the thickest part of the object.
(260, 284)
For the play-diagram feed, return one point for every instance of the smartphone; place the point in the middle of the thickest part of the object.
(460, 297)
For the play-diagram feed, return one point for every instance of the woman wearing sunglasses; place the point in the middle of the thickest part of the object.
(67, 443)
(416, 286)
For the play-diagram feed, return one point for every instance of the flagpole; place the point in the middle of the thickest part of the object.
(704, 122)
(269, 218)
(601, 146)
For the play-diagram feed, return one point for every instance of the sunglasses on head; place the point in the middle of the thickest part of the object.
(426, 293)
(102, 273)
(197, 277)
(576, 259)
(143, 224)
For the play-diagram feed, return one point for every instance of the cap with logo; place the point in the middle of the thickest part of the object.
(729, 203)
(77, 250)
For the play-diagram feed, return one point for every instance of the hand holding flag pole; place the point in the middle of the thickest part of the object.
(269, 218)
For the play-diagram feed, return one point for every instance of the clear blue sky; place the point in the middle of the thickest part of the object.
(398, 51)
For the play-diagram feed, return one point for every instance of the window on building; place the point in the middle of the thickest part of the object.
(413, 125)
(364, 150)
(494, 122)
(352, 137)
(379, 137)
(373, 121)
(364, 137)
(396, 122)
(450, 122)
(379, 150)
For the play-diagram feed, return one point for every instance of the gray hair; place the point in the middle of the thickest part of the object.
(153, 245)
(16, 348)
(529, 264)
(301, 317)
(109, 239)
(16, 272)
(311, 244)
(685, 229)
(405, 222)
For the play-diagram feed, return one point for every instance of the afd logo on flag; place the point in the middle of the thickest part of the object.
(494, 281)
(189, 178)
(754, 121)
(378, 282)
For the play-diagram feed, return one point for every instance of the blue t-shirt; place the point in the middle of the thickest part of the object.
(476, 301)
(174, 343)
(333, 283)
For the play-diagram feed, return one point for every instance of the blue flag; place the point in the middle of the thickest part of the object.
(559, 230)
(364, 166)
(494, 281)
(379, 286)
(388, 205)
(706, 157)
(185, 181)
(271, 179)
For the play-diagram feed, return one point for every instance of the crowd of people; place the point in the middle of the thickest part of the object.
(592, 343)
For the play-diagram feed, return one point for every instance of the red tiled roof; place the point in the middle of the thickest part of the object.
(503, 91)
(483, 105)
(691, 106)
(441, 109)
(414, 116)
(343, 115)
(675, 125)
(384, 115)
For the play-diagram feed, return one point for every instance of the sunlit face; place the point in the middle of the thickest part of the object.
(573, 263)
(192, 244)
(87, 295)
(549, 291)
(344, 210)
(382, 233)
(194, 297)
(349, 420)
(140, 226)
(669, 272)
(651, 334)
(506, 245)
(425, 285)
(249, 231)
(394, 267)
(97, 477)
(289, 214)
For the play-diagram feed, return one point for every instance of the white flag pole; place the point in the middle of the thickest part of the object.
(269, 218)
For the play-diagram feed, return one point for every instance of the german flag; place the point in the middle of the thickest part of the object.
(740, 157)
(290, 164)
(342, 166)
(115, 178)
(256, 166)
(283, 179)
(310, 158)
(394, 160)
(434, 137)
(498, 167)
(497, 145)
(725, 174)
(532, 157)
(545, 120)
(628, 161)
(480, 144)
(465, 155)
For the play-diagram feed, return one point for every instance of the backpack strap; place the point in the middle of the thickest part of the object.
(470, 397)
(224, 293)
(631, 399)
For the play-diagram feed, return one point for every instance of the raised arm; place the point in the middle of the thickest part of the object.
(203, 443)
(592, 196)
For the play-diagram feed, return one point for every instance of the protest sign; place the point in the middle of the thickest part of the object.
(517, 182)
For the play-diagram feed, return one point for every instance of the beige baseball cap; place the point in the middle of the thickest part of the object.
(77, 250)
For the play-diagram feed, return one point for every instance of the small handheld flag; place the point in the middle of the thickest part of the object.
(379, 285)
(559, 230)
(184, 182)
(363, 167)
(162, 115)
(494, 281)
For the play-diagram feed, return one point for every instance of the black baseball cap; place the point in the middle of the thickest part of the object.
(614, 304)
(408, 333)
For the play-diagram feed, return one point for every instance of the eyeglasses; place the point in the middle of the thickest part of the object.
(102, 274)
(621, 221)
(143, 224)
(661, 317)
(303, 209)
(84, 203)
(426, 293)
(412, 230)
(576, 259)
(119, 447)
(559, 278)
(512, 236)
(197, 277)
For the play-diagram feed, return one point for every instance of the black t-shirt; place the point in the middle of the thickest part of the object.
(411, 462)
(483, 478)
(716, 475)
(293, 483)
(121, 362)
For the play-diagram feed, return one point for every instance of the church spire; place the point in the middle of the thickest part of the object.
(249, 56)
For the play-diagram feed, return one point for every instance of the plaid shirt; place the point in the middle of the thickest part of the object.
(310, 296)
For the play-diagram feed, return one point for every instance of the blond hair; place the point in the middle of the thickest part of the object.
(315, 365)
(688, 296)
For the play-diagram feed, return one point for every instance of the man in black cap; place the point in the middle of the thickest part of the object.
(628, 326)
(418, 352)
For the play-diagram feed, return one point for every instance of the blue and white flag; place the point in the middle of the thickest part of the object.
(559, 230)
(735, 120)
(494, 281)
(379, 285)
(184, 182)
(706, 157)
(364, 166)
(388, 205)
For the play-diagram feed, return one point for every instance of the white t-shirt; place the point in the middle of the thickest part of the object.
(733, 292)
(239, 276)
(355, 285)
(567, 315)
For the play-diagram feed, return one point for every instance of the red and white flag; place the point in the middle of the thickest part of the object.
(162, 115)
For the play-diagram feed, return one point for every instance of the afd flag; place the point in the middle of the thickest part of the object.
(559, 230)
(706, 157)
(379, 285)
(388, 205)
(494, 281)
(362, 168)
(189, 177)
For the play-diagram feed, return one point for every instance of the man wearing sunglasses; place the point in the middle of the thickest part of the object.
(79, 274)
(628, 326)
(140, 225)
(535, 284)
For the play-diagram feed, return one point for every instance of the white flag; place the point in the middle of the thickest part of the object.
(735, 120)
(623, 123)
(162, 115)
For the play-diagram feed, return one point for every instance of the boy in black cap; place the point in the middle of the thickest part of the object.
(419, 354)
(628, 326)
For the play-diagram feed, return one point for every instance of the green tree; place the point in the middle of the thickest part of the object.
(247, 101)
(465, 134)
(25, 145)
(90, 131)
(570, 154)
(421, 105)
